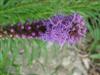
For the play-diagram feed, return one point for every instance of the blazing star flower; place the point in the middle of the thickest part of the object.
(59, 28)
(64, 29)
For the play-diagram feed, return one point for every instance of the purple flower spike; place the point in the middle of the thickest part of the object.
(59, 28)
(63, 29)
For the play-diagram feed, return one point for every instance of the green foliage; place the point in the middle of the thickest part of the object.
(95, 56)
(10, 50)
(12, 11)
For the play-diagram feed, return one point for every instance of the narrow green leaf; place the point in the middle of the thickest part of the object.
(96, 34)
(95, 56)
(1, 57)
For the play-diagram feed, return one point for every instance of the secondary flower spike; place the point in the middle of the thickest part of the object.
(64, 29)
(26, 30)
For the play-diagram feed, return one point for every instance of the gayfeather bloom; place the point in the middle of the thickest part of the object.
(64, 29)
(59, 28)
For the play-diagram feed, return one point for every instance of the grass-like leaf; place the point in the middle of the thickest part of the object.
(95, 56)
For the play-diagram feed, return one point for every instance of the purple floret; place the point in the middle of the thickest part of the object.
(77, 29)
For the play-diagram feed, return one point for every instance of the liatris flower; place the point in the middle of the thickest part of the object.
(60, 28)
(64, 29)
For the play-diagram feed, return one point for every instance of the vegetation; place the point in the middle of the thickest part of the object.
(13, 11)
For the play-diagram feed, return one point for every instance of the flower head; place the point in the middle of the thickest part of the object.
(59, 28)
(63, 29)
